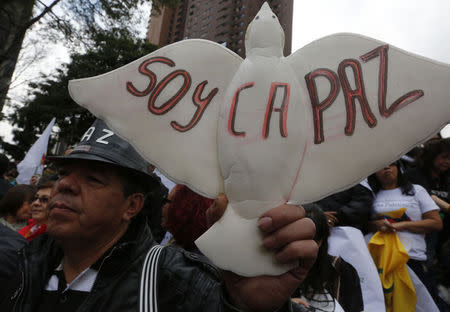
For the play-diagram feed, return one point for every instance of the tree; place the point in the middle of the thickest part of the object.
(81, 19)
(50, 97)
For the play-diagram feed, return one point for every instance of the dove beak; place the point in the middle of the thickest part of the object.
(85, 92)
(265, 7)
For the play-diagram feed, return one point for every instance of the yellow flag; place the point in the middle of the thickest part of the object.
(390, 257)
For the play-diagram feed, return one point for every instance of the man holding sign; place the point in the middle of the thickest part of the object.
(95, 256)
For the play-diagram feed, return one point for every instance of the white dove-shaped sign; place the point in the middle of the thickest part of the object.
(269, 129)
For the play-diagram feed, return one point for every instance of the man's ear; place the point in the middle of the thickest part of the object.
(135, 202)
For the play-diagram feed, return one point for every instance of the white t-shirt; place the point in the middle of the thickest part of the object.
(416, 206)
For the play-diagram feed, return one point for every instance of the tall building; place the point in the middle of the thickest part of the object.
(222, 21)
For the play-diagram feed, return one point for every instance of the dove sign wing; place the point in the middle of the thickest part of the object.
(166, 104)
(368, 103)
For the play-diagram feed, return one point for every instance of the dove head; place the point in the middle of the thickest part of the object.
(264, 35)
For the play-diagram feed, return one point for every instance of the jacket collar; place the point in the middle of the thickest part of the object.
(45, 254)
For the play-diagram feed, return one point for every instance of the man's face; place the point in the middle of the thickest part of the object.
(39, 211)
(87, 202)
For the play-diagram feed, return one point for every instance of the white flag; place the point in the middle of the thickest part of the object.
(32, 164)
(348, 243)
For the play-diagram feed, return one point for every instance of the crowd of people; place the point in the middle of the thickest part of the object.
(104, 234)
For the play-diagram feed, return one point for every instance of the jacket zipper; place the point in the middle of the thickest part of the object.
(98, 272)
(18, 293)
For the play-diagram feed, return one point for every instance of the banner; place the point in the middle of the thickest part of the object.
(34, 160)
(269, 129)
(425, 302)
(348, 243)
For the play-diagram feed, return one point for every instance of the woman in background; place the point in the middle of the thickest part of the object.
(15, 206)
(432, 171)
(393, 192)
(39, 210)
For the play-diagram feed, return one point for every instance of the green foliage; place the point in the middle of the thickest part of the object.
(158, 4)
(72, 22)
(106, 30)
(83, 19)
(50, 98)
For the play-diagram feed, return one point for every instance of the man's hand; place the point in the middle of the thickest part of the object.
(290, 235)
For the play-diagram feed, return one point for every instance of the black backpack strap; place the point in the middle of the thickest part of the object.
(148, 300)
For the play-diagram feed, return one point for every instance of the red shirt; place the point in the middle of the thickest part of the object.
(32, 230)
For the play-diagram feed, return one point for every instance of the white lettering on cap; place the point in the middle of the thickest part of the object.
(107, 135)
(87, 135)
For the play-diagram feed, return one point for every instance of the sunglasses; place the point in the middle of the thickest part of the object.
(42, 199)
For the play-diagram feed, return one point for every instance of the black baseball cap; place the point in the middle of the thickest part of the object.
(99, 143)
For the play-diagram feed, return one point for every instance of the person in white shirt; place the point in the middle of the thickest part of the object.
(392, 192)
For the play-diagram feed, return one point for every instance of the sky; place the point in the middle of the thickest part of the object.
(421, 27)
(418, 26)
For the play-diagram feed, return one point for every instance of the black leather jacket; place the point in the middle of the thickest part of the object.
(352, 206)
(10, 243)
(186, 281)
